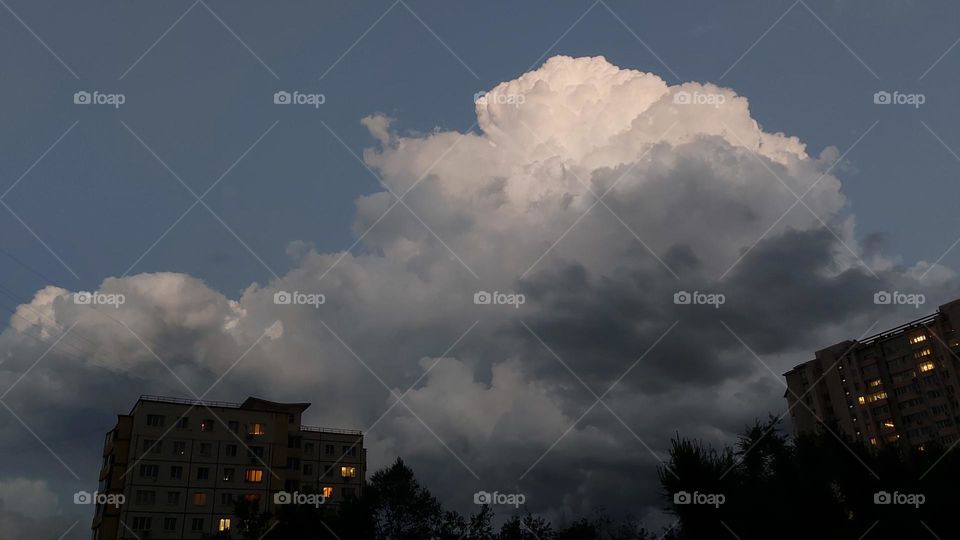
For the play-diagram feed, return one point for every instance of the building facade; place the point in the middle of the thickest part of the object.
(898, 387)
(181, 465)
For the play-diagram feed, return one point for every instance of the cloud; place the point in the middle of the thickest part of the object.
(594, 191)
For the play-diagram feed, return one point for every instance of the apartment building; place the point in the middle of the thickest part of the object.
(898, 387)
(181, 465)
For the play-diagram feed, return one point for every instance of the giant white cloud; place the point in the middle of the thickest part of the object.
(510, 207)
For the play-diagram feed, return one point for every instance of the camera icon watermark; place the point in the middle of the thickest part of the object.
(697, 97)
(282, 97)
(510, 499)
(896, 98)
(497, 298)
(297, 298)
(307, 499)
(907, 499)
(84, 298)
(98, 98)
(709, 499)
(697, 298)
(103, 499)
(897, 298)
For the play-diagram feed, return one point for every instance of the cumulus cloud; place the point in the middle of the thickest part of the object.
(594, 191)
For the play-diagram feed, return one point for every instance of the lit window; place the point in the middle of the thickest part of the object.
(199, 499)
(861, 400)
(920, 338)
(923, 352)
(206, 425)
(256, 428)
(873, 441)
(926, 366)
(224, 524)
(327, 492)
(876, 397)
(253, 475)
(348, 472)
(873, 383)
(888, 424)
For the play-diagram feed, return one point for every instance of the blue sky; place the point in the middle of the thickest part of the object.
(199, 99)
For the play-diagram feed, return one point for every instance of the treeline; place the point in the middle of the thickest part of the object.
(767, 485)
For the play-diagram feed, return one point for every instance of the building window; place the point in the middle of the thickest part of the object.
(206, 425)
(347, 492)
(155, 420)
(176, 472)
(348, 472)
(224, 525)
(179, 448)
(231, 450)
(226, 499)
(233, 425)
(253, 475)
(151, 446)
(146, 497)
(256, 428)
(141, 523)
(206, 449)
(308, 448)
(203, 473)
(149, 471)
(919, 338)
(255, 451)
(927, 366)
(183, 422)
(307, 468)
(923, 352)
(196, 524)
(199, 499)
(350, 450)
(888, 424)
(874, 383)
(169, 524)
(327, 492)
(228, 474)
(173, 497)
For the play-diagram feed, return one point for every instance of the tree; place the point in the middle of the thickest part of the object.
(815, 486)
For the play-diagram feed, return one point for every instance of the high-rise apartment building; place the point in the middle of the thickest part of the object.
(181, 465)
(898, 387)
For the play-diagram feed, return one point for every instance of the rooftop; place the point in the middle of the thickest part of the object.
(251, 403)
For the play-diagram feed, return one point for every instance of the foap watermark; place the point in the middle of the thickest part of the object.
(484, 98)
(84, 298)
(709, 499)
(282, 97)
(497, 298)
(699, 98)
(306, 499)
(697, 298)
(104, 499)
(897, 98)
(897, 298)
(297, 298)
(906, 499)
(99, 98)
(511, 499)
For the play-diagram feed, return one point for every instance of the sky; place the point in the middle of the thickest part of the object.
(582, 181)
